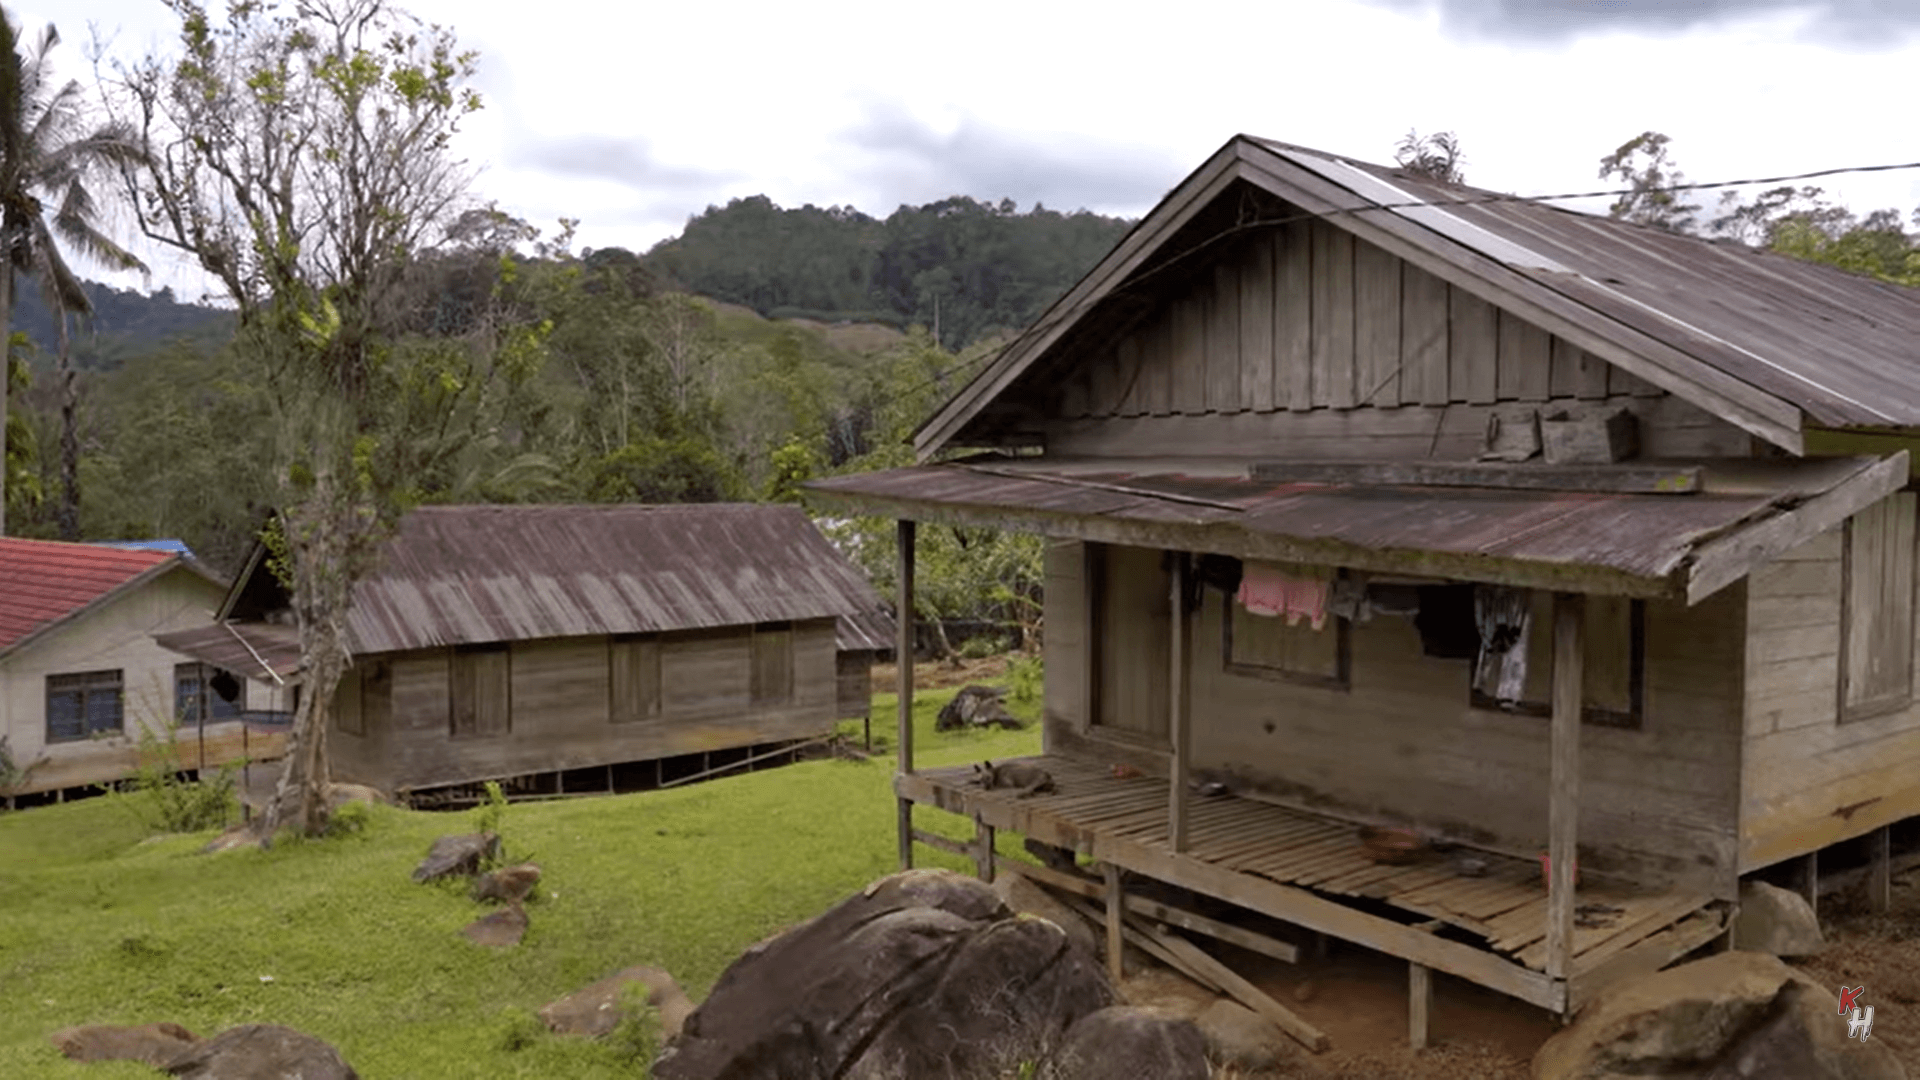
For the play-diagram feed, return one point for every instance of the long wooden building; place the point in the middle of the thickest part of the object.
(1582, 538)
(495, 642)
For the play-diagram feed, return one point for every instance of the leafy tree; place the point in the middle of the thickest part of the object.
(47, 157)
(22, 482)
(302, 159)
(1645, 164)
(1436, 156)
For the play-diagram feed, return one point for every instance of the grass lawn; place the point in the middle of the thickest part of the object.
(103, 924)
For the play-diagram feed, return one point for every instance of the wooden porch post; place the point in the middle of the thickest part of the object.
(1810, 881)
(1419, 1004)
(1116, 911)
(903, 662)
(1563, 800)
(1880, 878)
(1178, 732)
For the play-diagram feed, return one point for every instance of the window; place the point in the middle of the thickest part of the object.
(772, 664)
(478, 701)
(364, 698)
(84, 705)
(633, 679)
(1613, 672)
(1265, 647)
(1876, 614)
(200, 693)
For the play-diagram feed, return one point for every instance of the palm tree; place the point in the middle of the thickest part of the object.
(47, 149)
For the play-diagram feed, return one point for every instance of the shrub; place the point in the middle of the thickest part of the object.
(1025, 679)
(982, 646)
(487, 818)
(165, 801)
(637, 1039)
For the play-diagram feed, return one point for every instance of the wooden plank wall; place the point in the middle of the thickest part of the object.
(562, 716)
(1303, 322)
(1404, 744)
(1808, 779)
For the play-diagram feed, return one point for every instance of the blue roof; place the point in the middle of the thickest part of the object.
(171, 547)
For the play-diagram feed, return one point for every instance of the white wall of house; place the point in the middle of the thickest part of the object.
(117, 636)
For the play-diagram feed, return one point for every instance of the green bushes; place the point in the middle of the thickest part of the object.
(164, 801)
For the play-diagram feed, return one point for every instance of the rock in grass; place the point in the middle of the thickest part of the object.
(501, 929)
(157, 1045)
(595, 1010)
(457, 855)
(507, 885)
(262, 1052)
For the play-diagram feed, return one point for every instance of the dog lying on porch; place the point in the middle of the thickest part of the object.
(1018, 776)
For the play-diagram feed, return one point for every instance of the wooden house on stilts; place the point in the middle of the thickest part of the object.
(1603, 537)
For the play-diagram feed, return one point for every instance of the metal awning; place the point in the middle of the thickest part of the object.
(253, 650)
(1617, 543)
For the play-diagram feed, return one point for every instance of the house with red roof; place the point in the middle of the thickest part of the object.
(81, 676)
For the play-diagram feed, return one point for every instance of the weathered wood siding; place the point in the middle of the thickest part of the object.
(854, 684)
(1305, 342)
(562, 712)
(1404, 743)
(1809, 779)
(118, 636)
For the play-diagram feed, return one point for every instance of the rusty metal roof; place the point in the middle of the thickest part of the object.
(469, 574)
(1845, 347)
(872, 630)
(456, 575)
(1763, 340)
(250, 649)
(1638, 542)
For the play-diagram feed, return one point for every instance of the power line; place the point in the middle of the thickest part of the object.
(1492, 197)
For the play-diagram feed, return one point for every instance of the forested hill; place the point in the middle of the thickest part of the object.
(125, 323)
(968, 267)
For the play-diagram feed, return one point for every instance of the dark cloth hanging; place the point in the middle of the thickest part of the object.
(1446, 622)
(1503, 614)
(1219, 572)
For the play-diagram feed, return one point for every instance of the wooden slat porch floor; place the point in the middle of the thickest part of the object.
(1506, 906)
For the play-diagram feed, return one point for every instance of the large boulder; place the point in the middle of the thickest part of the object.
(595, 1010)
(1777, 921)
(1020, 894)
(924, 973)
(457, 856)
(1738, 1014)
(262, 1052)
(1236, 1035)
(976, 706)
(1128, 1043)
(157, 1045)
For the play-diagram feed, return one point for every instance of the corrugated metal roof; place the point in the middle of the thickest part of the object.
(470, 574)
(1842, 346)
(45, 581)
(870, 631)
(250, 649)
(1782, 336)
(1641, 537)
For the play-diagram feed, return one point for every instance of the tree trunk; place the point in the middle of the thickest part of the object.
(321, 542)
(69, 439)
(6, 373)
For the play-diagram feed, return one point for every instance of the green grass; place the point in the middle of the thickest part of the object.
(103, 924)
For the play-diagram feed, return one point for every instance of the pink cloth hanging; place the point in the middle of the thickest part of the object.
(1268, 590)
(1263, 590)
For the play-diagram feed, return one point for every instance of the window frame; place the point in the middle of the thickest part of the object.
(77, 682)
(1633, 720)
(1341, 679)
(204, 696)
(759, 693)
(634, 662)
(472, 672)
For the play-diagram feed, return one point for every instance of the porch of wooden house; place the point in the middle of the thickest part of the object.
(1312, 871)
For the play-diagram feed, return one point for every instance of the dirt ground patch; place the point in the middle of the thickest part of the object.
(935, 675)
(1882, 953)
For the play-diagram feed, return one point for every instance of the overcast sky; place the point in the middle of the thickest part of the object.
(633, 117)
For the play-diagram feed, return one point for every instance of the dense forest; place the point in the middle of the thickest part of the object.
(124, 324)
(962, 268)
